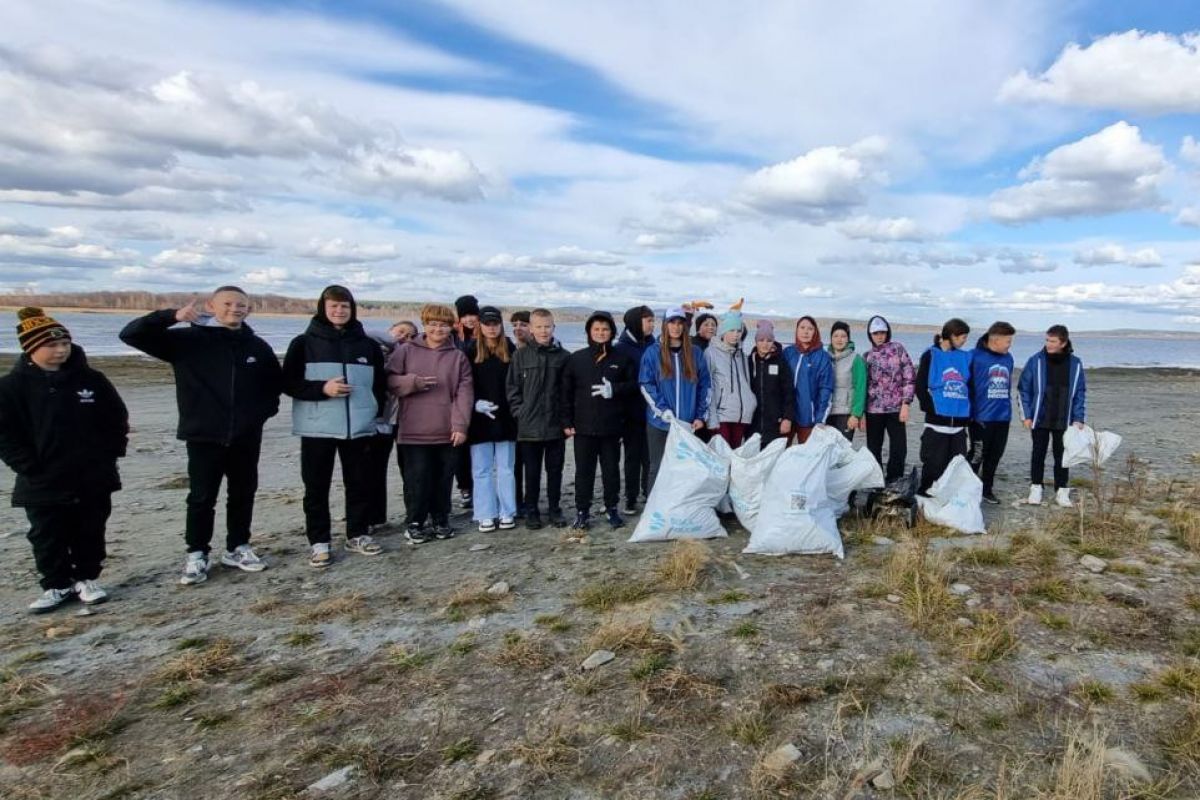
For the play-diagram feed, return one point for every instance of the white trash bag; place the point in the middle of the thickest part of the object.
(955, 499)
(1082, 447)
(748, 471)
(796, 514)
(721, 447)
(690, 483)
(859, 471)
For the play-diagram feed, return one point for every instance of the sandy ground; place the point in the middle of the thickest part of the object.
(376, 665)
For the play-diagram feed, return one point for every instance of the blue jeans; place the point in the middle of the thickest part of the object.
(495, 483)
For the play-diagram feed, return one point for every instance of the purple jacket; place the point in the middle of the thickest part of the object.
(430, 416)
(891, 379)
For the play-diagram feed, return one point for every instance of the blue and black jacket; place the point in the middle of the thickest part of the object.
(943, 387)
(1032, 389)
(991, 384)
(687, 400)
(813, 380)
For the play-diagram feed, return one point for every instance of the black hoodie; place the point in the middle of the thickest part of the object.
(771, 380)
(593, 415)
(61, 432)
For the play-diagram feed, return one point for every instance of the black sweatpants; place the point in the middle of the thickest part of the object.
(877, 426)
(316, 470)
(937, 451)
(838, 423)
(68, 540)
(462, 469)
(988, 443)
(208, 464)
(656, 445)
(554, 454)
(1037, 468)
(637, 459)
(428, 474)
(379, 457)
(589, 450)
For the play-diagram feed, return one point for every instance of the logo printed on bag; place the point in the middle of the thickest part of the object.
(86, 396)
(798, 501)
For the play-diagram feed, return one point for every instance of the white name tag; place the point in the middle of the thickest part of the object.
(772, 369)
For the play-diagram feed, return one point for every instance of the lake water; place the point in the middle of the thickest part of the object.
(98, 335)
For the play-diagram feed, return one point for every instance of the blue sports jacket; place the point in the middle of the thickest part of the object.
(687, 400)
(1032, 388)
(812, 375)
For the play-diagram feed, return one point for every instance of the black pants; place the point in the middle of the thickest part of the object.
(937, 451)
(838, 423)
(208, 465)
(637, 459)
(316, 470)
(1037, 468)
(656, 445)
(988, 443)
(554, 453)
(379, 457)
(589, 450)
(462, 469)
(877, 426)
(68, 540)
(428, 474)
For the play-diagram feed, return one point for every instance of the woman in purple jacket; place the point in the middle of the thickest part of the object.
(891, 384)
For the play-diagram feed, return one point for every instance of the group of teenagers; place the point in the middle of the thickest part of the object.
(460, 398)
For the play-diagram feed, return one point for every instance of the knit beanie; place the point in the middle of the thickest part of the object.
(36, 329)
(466, 305)
(764, 331)
(730, 321)
(839, 326)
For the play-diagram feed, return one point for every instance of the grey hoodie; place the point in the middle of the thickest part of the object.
(732, 398)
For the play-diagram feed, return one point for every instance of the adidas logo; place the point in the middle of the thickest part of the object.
(251, 360)
(86, 396)
(362, 359)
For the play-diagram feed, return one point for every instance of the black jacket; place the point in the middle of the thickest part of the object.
(588, 367)
(61, 432)
(632, 344)
(227, 382)
(534, 386)
(325, 349)
(489, 381)
(771, 379)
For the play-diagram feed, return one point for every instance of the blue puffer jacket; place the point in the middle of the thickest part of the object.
(991, 384)
(812, 375)
(1032, 388)
(687, 400)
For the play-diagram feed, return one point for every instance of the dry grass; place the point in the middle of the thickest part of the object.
(1079, 775)
(751, 728)
(472, 599)
(675, 685)
(547, 755)
(352, 605)
(1182, 678)
(78, 720)
(607, 595)
(623, 636)
(786, 695)
(1181, 740)
(991, 638)
(684, 564)
(523, 652)
(196, 665)
(1183, 521)
(919, 576)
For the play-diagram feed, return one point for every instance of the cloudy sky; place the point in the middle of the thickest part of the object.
(992, 158)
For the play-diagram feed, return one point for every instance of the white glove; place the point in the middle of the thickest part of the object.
(487, 408)
(603, 389)
(668, 416)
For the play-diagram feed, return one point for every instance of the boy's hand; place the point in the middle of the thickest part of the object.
(697, 424)
(1028, 424)
(426, 382)
(336, 387)
(189, 313)
(852, 424)
(568, 432)
(785, 426)
(457, 439)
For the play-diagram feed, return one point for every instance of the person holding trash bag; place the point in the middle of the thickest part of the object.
(991, 403)
(944, 391)
(493, 432)
(891, 386)
(731, 407)
(771, 381)
(637, 336)
(675, 383)
(849, 383)
(812, 378)
(1053, 391)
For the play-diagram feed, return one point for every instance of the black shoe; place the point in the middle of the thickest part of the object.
(614, 519)
(521, 512)
(991, 499)
(533, 519)
(631, 508)
(441, 530)
(415, 534)
(557, 520)
(465, 500)
(581, 522)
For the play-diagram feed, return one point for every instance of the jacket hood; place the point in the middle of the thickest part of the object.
(633, 322)
(846, 353)
(725, 347)
(816, 343)
(602, 316)
(77, 360)
(871, 321)
(551, 347)
(321, 304)
(321, 327)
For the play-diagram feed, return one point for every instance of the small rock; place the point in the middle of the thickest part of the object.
(485, 757)
(77, 755)
(817, 642)
(498, 589)
(476, 548)
(884, 780)
(332, 781)
(1127, 765)
(973, 602)
(960, 589)
(883, 541)
(963, 622)
(597, 659)
(86, 611)
(825, 664)
(893, 598)
(1093, 564)
(781, 758)
(56, 632)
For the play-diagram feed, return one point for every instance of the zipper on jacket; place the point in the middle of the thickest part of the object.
(678, 378)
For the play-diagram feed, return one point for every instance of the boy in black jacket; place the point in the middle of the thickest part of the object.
(596, 385)
(227, 385)
(62, 428)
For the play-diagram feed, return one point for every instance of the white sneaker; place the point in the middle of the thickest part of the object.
(51, 599)
(1035, 495)
(364, 545)
(507, 523)
(320, 557)
(195, 569)
(244, 558)
(1062, 498)
(487, 526)
(90, 592)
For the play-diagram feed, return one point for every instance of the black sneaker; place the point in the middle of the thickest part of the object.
(521, 512)
(991, 499)
(533, 519)
(441, 530)
(614, 519)
(581, 522)
(415, 533)
(465, 500)
(557, 520)
(631, 508)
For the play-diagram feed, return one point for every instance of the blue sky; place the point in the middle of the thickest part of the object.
(999, 159)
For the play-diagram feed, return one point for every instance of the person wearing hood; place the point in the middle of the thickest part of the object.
(493, 432)
(812, 378)
(637, 336)
(849, 401)
(991, 403)
(944, 391)
(334, 374)
(466, 330)
(227, 385)
(432, 379)
(771, 381)
(675, 383)
(534, 387)
(597, 382)
(706, 330)
(891, 387)
(62, 429)
(1053, 391)
(732, 404)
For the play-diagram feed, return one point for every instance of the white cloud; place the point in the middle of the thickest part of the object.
(822, 184)
(679, 224)
(339, 251)
(1110, 171)
(1189, 150)
(136, 229)
(1022, 263)
(1156, 73)
(815, 293)
(230, 238)
(268, 277)
(889, 229)
(1109, 254)
(572, 256)
(1189, 216)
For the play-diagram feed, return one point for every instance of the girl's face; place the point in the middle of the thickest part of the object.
(732, 338)
(675, 329)
(879, 338)
(839, 339)
(1054, 345)
(958, 341)
(491, 330)
(764, 347)
(708, 328)
(805, 331)
(437, 332)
